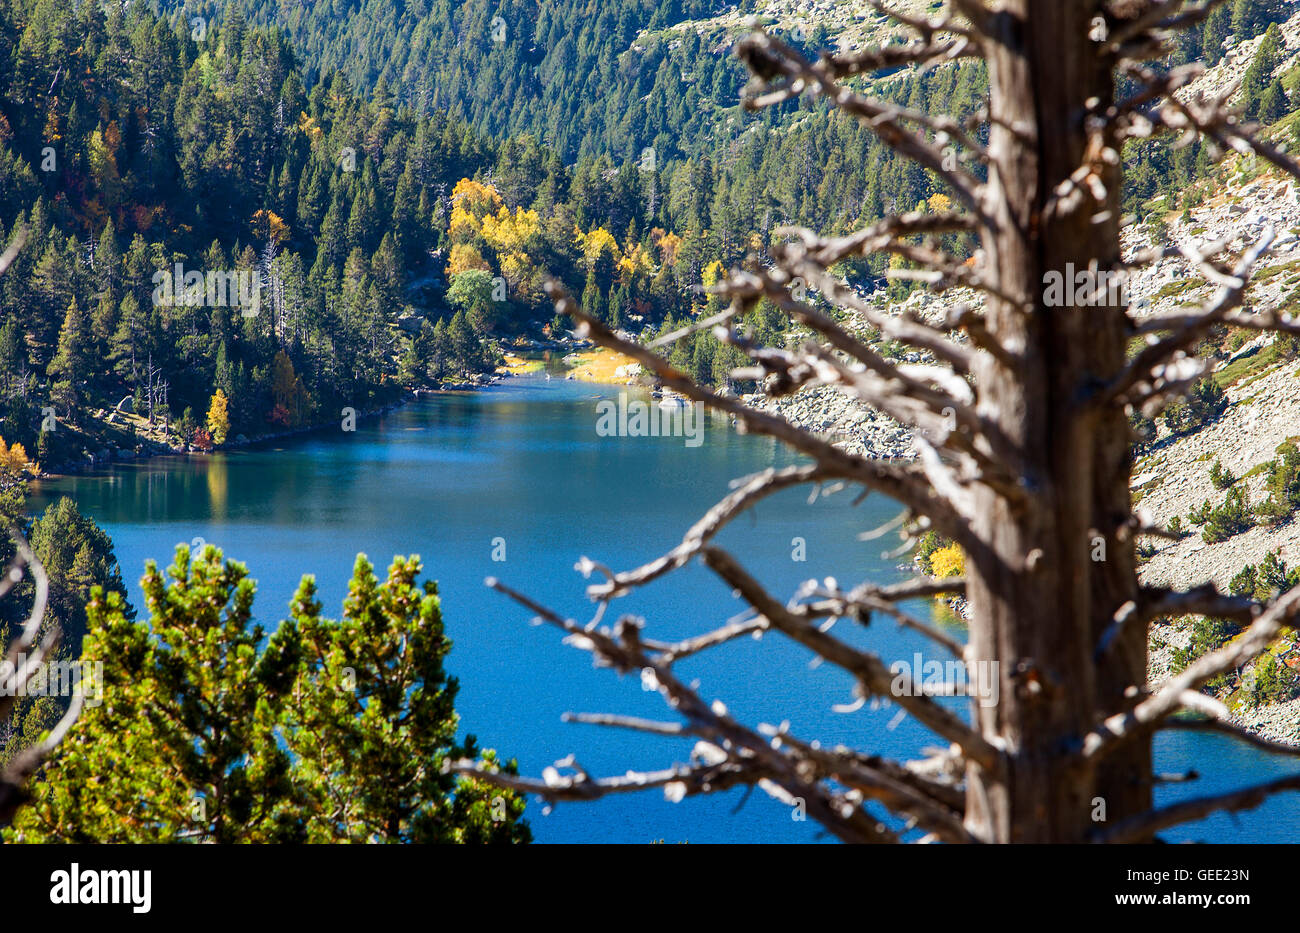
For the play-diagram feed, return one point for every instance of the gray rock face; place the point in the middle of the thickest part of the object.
(848, 424)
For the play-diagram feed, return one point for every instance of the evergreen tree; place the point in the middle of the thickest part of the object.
(1273, 103)
(326, 732)
(70, 366)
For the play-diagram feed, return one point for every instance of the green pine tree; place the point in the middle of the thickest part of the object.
(326, 732)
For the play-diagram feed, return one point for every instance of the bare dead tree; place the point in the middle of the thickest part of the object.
(1020, 424)
(22, 664)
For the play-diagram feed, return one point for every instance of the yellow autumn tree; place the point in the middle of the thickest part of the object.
(668, 243)
(513, 233)
(515, 238)
(940, 203)
(464, 225)
(288, 395)
(636, 259)
(14, 462)
(948, 562)
(465, 256)
(712, 273)
(219, 417)
(596, 245)
(471, 201)
(268, 225)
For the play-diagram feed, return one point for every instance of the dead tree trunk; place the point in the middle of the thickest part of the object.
(1040, 599)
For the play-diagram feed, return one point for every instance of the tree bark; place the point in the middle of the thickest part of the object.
(1040, 600)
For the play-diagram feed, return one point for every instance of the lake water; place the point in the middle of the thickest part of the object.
(447, 476)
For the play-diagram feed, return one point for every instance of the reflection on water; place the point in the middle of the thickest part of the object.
(217, 477)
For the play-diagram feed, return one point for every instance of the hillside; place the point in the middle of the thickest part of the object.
(587, 78)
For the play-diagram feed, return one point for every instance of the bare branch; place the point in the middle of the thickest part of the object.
(1205, 600)
(683, 649)
(1145, 825)
(1183, 724)
(877, 237)
(925, 28)
(1148, 367)
(862, 601)
(1157, 22)
(9, 255)
(889, 57)
(695, 780)
(895, 327)
(765, 54)
(870, 671)
(17, 670)
(733, 753)
(1170, 698)
(900, 482)
(635, 723)
(749, 491)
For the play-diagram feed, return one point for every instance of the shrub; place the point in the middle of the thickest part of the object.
(1231, 518)
(1245, 582)
(1274, 576)
(1283, 486)
(1221, 478)
(1206, 402)
(1270, 681)
(1144, 433)
(1207, 635)
(1200, 514)
(1266, 581)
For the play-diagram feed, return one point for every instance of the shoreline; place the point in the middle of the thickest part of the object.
(149, 449)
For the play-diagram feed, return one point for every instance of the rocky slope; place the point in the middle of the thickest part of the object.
(848, 24)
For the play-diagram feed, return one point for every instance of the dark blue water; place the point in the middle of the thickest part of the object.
(445, 477)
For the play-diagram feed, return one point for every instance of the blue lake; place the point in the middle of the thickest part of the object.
(446, 477)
